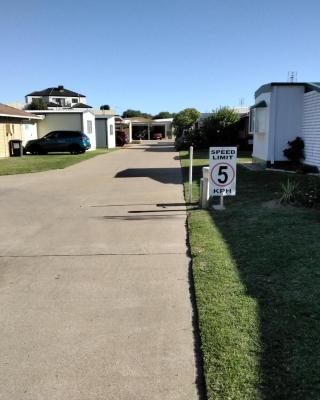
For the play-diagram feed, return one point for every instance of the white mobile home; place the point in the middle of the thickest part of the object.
(71, 120)
(283, 111)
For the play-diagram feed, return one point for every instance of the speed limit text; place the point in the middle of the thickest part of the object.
(222, 154)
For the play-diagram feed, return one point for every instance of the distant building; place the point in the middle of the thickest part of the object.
(58, 97)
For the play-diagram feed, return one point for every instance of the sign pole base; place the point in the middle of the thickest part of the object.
(219, 207)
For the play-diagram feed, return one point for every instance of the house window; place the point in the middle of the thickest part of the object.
(75, 101)
(89, 126)
(111, 130)
(61, 102)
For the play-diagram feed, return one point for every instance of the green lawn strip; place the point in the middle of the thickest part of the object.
(35, 163)
(256, 269)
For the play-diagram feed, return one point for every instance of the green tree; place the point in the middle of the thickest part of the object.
(135, 113)
(184, 120)
(37, 104)
(221, 128)
(105, 107)
(164, 114)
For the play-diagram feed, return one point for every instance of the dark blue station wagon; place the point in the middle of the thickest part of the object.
(57, 141)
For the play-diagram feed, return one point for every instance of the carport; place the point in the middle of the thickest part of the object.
(144, 127)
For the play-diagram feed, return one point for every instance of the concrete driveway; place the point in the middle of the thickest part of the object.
(94, 289)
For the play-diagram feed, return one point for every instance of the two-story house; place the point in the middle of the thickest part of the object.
(59, 97)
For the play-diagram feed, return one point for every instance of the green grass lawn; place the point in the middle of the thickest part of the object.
(35, 163)
(256, 269)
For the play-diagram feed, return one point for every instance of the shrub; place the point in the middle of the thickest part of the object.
(37, 104)
(295, 152)
(189, 138)
(221, 128)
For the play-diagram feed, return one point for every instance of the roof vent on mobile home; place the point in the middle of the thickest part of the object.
(60, 88)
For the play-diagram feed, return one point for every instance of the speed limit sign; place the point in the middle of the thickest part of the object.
(222, 171)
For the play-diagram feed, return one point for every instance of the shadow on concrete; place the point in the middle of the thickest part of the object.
(142, 217)
(153, 211)
(160, 148)
(163, 175)
(162, 205)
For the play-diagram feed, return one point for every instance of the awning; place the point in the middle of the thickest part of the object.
(261, 104)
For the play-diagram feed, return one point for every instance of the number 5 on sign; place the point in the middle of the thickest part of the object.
(222, 171)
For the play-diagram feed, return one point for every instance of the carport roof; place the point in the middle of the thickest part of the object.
(7, 111)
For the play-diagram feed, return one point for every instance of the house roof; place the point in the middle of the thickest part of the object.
(140, 119)
(7, 111)
(81, 105)
(309, 86)
(56, 91)
(163, 120)
(61, 111)
(261, 104)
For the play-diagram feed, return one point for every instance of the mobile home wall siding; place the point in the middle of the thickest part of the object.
(311, 128)
(286, 119)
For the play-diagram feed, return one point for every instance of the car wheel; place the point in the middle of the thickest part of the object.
(74, 149)
(35, 150)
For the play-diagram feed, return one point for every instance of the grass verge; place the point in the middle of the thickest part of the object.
(35, 163)
(256, 269)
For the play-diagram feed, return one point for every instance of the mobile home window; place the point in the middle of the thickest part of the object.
(258, 119)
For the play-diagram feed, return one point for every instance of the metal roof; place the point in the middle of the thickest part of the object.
(7, 111)
(59, 91)
(309, 86)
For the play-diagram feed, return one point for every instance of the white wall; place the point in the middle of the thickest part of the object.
(285, 119)
(29, 131)
(311, 128)
(68, 100)
(55, 122)
(89, 116)
(105, 132)
(261, 139)
(111, 133)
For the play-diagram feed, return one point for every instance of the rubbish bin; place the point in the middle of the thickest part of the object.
(15, 148)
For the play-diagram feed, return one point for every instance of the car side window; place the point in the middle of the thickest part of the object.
(50, 135)
(65, 135)
(74, 134)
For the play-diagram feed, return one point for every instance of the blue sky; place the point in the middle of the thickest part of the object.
(157, 55)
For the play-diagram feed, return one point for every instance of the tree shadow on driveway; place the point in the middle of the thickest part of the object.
(163, 175)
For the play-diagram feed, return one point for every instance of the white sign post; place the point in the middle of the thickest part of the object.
(222, 172)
